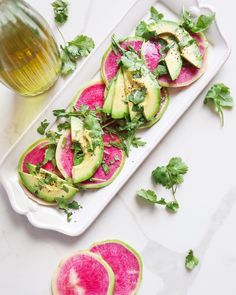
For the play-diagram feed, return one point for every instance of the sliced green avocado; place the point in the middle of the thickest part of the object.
(46, 185)
(107, 107)
(130, 86)
(119, 105)
(92, 156)
(88, 166)
(173, 57)
(189, 48)
(152, 100)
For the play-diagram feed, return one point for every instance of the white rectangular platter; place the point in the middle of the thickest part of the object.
(94, 202)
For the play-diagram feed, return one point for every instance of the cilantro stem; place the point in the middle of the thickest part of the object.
(61, 35)
(108, 124)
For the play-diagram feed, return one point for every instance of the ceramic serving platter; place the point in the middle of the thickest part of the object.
(94, 202)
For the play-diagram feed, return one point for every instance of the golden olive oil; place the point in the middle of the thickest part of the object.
(29, 57)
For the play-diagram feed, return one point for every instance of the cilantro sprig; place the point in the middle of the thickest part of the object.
(169, 176)
(219, 95)
(60, 8)
(67, 207)
(201, 24)
(43, 126)
(151, 196)
(191, 261)
(79, 47)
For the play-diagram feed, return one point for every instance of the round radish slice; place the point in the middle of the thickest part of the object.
(113, 157)
(35, 154)
(124, 261)
(91, 95)
(83, 273)
(109, 66)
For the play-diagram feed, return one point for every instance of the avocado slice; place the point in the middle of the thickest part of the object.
(107, 107)
(119, 105)
(46, 185)
(130, 85)
(189, 49)
(92, 156)
(173, 58)
(152, 100)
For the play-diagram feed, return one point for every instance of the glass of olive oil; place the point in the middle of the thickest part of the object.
(29, 57)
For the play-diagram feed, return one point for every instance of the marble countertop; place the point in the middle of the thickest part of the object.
(207, 216)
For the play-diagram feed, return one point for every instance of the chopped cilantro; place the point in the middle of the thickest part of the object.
(155, 15)
(65, 206)
(60, 8)
(200, 25)
(191, 261)
(43, 126)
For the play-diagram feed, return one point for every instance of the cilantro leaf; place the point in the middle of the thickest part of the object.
(137, 142)
(63, 126)
(105, 167)
(143, 31)
(172, 174)
(200, 25)
(191, 261)
(150, 196)
(79, 47)
(43, 126)
(160, 70)
(155, 15)
(219, 95)
(172, 206)
(66, 207)
(137, 96)
(60, 8)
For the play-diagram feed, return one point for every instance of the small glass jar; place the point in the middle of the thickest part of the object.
(29, 57)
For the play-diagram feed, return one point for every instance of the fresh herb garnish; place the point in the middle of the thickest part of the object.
(219, 95)
(66, 207)
(50, 155)
(160, 70)
(191, 261)
(143, 31)
(105, 167)
(170, 177)
(60, 8)
(79, 47)
(200, 25)
(137, 96)
(151, 197)
(155, 15)
(78, 153)
(43, 126)
(137, 142)
(63, 126)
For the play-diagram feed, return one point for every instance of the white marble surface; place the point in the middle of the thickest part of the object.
(207, 217)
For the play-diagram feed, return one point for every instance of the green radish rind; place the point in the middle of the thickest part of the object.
(95, 256)
(105, 183)
(133, 251)
(163, 108)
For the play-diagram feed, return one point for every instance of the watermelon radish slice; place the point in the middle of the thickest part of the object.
(91, 95)
(125, 263)
(83, 273)
(109, 66)
(114, 158)
(189, 73)
(35, 154)
(165, 98)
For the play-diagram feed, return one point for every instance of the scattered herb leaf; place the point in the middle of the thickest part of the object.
(60, 8)
(155, 15)
(43, 126)
(191, 261)
(220, 96)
